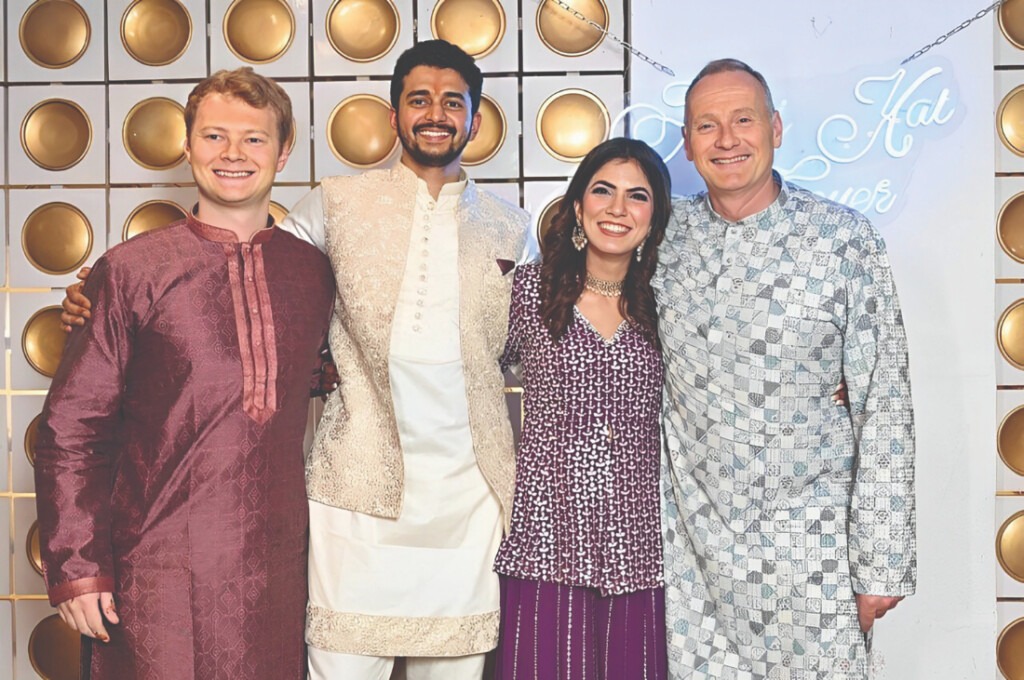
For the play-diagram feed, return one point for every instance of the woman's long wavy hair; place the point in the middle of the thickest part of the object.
(564, 269)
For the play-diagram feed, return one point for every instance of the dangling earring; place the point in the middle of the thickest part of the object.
(640, 249)
(579, 239)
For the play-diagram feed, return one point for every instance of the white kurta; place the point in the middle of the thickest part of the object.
(428, 572)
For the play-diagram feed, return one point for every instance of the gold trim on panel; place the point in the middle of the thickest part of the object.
(1010, 546)
(1011, 22)
(56, 238)
(278, 212)
(54, 33)
(1010, 120)
(151, 215)
(31, 434)
(35, 558)
(1010, 440)
(43, 339)
(491, 135)
(1010, 334)
(56, 134)
(154, 133)
(564, 34)
(55, 649)
(1010, 650)
(477, 26)
(572, 122)
(156, 32)
(359, 131)
(362, 30)
(259, 31)
(547, 215)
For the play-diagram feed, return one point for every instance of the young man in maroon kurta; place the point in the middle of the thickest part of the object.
(169, 471)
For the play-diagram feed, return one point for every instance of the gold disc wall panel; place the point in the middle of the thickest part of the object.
(1010, 546)
(154, 133)
(1010, 651)
(1011, 22)
(490, 136)
(571, 123)
(278, 212)
(259, 31)
(359, 131)
(547, 216)
(477, 26)
(35, 558)
(1010, 334)
(1010, 120)
(567, 35)
(362, 30)
(42, 340)
(55, 649)
(156, 32)
(151, 215)
(31, 434)
(1010, 228)
(54, 33)
(57, 238)
(1010, 440)
(56, 134)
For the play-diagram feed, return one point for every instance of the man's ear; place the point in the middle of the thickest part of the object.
(475, 127)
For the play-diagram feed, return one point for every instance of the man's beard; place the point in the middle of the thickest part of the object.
(434, 160)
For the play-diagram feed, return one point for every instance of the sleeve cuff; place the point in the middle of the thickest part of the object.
(63, 592)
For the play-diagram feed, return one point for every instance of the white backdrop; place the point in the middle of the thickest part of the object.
(914, 151)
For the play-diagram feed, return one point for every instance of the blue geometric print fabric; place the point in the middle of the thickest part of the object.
(779, 504)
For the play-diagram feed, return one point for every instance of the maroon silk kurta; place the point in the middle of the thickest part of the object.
(169, 465)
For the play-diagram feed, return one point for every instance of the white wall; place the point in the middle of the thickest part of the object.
(937, 216)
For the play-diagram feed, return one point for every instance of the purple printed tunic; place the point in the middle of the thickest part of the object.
(586, 509)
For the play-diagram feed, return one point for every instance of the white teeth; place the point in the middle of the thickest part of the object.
(433, 133)
(614, 228)
(730, 161)
(234, 174)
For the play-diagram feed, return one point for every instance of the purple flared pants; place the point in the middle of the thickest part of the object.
(556, 632)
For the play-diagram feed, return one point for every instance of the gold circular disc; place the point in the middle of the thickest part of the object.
(259, 31)
(1011, 22)
(1010, 120)
(31, 434)
(1010, 227)
(490, 136)
(154, 133)
(56, 134)
(477, 26)
(55, 649)
(156, 32)
(278, 212)
(56, 238)
(546, 219)
(359, 131)
(1010, 650)
(1010, 546)
(564, 34)
(1010, 440)
(571, 123)
(151, 215)
(42, 340)
(362, 30)
(1010, 334)
(54, 33)
(35, 558)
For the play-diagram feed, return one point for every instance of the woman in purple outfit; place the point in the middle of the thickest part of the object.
(581, 569)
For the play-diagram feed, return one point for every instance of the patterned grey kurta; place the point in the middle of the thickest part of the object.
(779, 505)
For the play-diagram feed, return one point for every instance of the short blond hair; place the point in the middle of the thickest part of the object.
(255, 90)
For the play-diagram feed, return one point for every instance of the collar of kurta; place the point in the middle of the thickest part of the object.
(765, 218)
(448, 189)
(218, 235)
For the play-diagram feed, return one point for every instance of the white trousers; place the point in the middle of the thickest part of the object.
(331, 666)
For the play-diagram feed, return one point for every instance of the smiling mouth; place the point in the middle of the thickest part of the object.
(613, 228)
(731, 160)
(434, 133)
(233, 174)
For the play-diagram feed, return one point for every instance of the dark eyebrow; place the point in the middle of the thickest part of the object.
(452, 94)
(608, 184)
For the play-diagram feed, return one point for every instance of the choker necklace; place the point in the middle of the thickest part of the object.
(602, 287)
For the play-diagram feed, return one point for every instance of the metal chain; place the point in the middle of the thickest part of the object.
(944, 38)
(593, 24)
